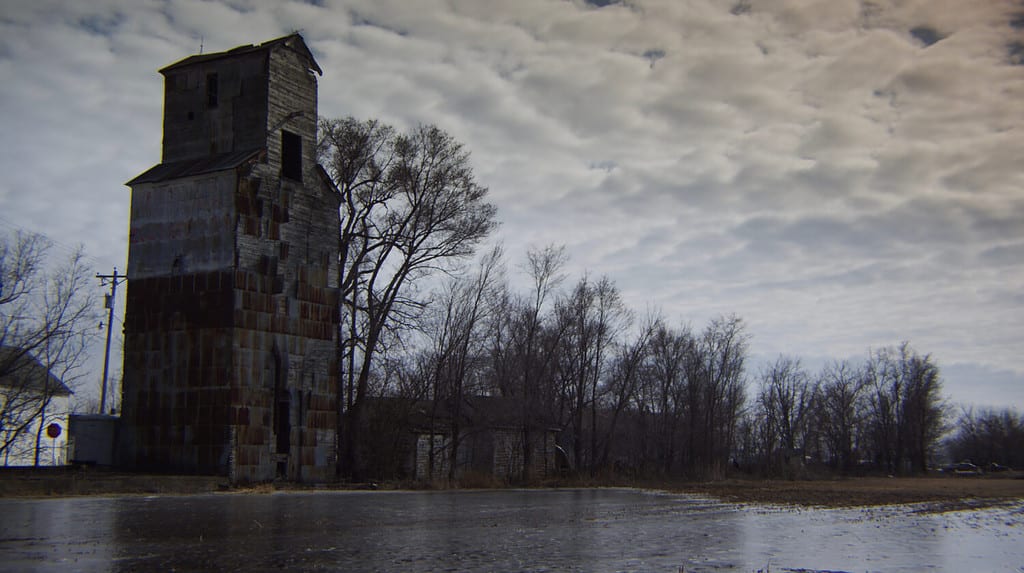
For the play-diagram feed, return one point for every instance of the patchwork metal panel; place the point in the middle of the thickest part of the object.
(231, 323)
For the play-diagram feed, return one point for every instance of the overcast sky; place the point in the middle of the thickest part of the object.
(842, 174)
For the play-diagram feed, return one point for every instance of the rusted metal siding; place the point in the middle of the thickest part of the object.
(286, 244)
(178, 324)
(230, 349)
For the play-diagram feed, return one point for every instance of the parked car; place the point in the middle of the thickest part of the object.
(965, 469)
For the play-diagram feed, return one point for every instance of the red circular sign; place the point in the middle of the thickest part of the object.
(53, 430)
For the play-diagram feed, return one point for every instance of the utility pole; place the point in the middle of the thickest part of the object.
(114, 280)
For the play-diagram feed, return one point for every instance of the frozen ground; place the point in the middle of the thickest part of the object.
(536, 530)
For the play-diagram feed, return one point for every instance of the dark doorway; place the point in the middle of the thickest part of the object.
(282, 417)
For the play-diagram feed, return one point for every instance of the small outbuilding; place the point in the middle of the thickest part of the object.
(486, 437)
(92, 438)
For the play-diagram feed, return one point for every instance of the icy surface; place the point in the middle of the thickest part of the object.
(539, 530)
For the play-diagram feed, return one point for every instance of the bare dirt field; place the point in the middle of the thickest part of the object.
(945, 493)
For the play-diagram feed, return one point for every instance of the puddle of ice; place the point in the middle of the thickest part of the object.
(528, 530)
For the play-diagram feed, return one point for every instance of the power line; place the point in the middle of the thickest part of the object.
(58, 244)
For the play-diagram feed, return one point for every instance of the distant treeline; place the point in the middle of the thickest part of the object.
(988, 438)
(628, 395)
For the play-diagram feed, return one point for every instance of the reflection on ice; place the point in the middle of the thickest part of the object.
(536, 530)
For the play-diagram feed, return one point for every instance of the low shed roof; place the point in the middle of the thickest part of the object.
(197, 166)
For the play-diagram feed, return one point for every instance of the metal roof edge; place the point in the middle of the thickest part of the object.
(196, 166)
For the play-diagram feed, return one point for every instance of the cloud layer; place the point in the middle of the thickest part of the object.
(843, 174)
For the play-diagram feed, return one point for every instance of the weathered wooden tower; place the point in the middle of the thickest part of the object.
(231, 321)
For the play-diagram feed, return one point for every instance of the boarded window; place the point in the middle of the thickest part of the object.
(211, 90)
(291, 155)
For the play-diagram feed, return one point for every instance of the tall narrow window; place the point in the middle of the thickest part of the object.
(211, 90)
(291, 155)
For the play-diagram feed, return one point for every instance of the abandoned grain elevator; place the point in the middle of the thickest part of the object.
(231, 322)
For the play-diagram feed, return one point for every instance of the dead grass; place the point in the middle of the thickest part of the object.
(262, 488)
(56, 482)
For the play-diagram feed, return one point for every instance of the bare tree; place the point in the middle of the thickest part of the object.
(46, 319)
(841, 411)
(524, 345)
(715, 394)
(665, 378)
(457, 335)
(785, 399)
(517, 330)
(591, 317)
(410, 207)
(625, 380)
(924, 408)
(357, 155)
(906, 408)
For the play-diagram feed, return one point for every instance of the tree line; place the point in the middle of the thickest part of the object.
(630, 394)
(885, 412)
(992, 438)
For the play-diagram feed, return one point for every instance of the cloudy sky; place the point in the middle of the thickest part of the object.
(843, 174)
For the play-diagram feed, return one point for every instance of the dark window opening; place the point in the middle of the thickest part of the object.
(211, 90)
(282, 408)
(291, 155)
(283, 429)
